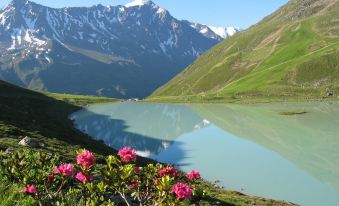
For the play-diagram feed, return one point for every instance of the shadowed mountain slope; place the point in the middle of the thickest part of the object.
(117, 51)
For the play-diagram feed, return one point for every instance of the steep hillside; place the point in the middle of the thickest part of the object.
(293, 53)
(44, 118)
(117, 51)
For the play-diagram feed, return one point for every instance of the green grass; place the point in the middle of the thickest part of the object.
(80, 100)
(101, 57)
(11, 196)
(243, 98)
(278, 58)
(44, 117)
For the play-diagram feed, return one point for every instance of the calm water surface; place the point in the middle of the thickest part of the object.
(249, 148)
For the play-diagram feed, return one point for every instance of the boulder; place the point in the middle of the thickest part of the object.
(28, 142)
(330, 94)
(8, 151)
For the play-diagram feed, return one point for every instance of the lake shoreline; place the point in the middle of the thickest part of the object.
(226, 100)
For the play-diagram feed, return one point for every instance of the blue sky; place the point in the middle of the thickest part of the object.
(241, 13)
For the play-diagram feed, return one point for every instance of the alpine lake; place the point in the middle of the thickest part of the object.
(283, 151)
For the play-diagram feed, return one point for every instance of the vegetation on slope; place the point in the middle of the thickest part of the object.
(291, 54)
(44, 118)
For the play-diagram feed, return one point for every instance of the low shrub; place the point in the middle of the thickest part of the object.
(49, 181)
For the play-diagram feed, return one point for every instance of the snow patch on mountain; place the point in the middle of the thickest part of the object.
(225, 32)
(3, 17)
(138, 3)
(213, 31)
(161, 10)
(204, 30)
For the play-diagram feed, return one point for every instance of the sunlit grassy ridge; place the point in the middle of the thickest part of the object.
(294, 53)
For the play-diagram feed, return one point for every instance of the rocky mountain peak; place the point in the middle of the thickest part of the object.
(19, 3)
(137, 3)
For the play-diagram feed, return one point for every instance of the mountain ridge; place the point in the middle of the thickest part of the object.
(106, 47)
(225, 32)
(292, 53)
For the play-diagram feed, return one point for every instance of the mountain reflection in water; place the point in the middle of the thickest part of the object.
(247, 147)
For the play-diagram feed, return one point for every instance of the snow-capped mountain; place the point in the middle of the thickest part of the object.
(225, 32)
(214, 32)
(204, 30)
(119, 51)
(138, 3)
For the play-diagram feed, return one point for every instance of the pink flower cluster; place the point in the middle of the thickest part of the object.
(64, 170)
(85, 159)
(182, 190)
(82, 178)
(127, 155)
(168, 171)
(29, 189)
(194, 175)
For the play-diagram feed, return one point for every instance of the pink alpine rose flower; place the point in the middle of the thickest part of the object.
(194, 175)
(82, 178)
(86, 159)
(29, 189)
(168, 171)
(133, 185)
(182, 190)
(64, 170)
(127, 155)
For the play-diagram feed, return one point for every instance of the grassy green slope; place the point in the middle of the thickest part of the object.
(291, 53)
(44, 117)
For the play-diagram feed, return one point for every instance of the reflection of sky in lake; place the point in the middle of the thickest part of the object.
(247, 147)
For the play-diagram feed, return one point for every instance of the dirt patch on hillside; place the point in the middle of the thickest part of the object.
(271, 38)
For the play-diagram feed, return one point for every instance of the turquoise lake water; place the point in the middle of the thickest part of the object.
(248, 148)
